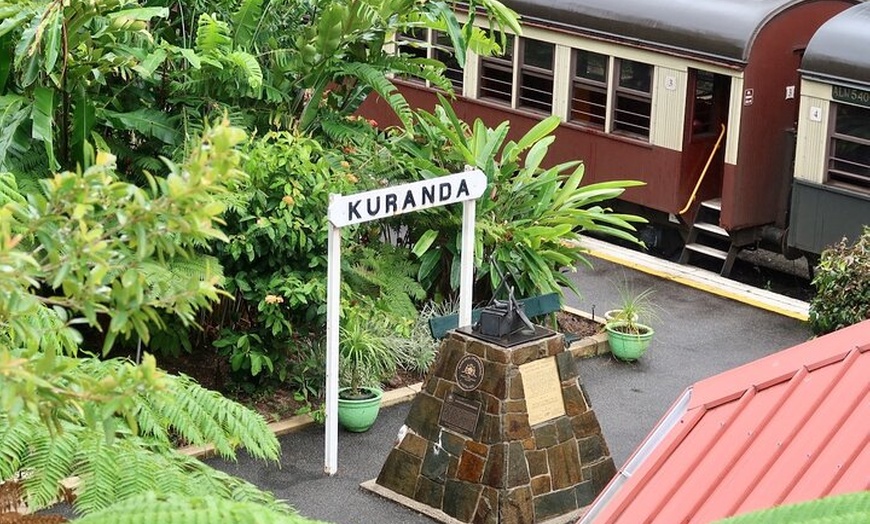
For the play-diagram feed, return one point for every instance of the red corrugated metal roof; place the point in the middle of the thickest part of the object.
(790, 427)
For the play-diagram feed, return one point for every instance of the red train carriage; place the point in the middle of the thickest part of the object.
(831, 192)
(646, 89)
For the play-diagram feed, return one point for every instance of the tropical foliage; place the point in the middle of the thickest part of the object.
(842, 282)
(90, 251)
(153, 234)
(138, 77)
(178, 510)
(116, 458)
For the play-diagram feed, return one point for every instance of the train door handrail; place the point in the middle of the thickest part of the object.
(704, 172)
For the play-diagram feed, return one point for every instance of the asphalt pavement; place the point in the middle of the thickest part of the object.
(698, 334)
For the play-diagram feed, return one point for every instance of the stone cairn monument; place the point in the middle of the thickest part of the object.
(499, 435)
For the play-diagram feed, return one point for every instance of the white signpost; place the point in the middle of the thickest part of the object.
(346, 210)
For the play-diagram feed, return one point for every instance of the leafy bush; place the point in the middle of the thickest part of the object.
(842, 283)
(90, 250)
(276, 255)
(139, 77)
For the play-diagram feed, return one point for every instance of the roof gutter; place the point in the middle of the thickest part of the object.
(826, 78)
(646, 449)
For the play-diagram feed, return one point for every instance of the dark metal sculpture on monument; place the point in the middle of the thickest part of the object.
(504, 322)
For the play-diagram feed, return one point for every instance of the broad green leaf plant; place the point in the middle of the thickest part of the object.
(530, 220)
(71, 78)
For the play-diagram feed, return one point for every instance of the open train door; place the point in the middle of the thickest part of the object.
(706, 114)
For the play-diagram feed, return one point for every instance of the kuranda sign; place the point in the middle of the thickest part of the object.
(345, 210)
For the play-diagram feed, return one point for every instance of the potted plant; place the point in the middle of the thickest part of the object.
(627, 333)
(365, 359)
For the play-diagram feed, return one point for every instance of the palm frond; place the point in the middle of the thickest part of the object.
(246, 20)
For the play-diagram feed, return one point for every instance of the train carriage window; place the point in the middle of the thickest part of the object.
(702, 115)
(413, 41)
(421, 43)
(849, 154)
(633, 98)
(444, 53)
(536, 75)
(497, 75)
(589, 89)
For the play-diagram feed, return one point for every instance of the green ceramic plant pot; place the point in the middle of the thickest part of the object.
(358, 415)
(628, 346)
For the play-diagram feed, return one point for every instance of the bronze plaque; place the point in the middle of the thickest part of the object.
(469, 372)
(543, 390)
(460, 414)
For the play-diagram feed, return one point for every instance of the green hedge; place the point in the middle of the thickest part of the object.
(842, 285)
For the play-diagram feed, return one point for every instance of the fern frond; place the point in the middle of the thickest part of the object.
(389, 275)
(9, 191)
(14, 443)
(28, 177)
(101, 471)
(182, 510)
(248, 66)
(338, 128)
(217, 419)
(109, 471)
(179, 275)
(201, 416)
(141, 474)
(209, 481)
(149, 163)
(376, 79)
(423, 68)
(50, 460)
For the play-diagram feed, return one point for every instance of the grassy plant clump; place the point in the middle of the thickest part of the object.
(842, 284)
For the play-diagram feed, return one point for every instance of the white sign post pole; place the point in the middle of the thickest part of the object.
(346, 210)
(466, 262)
(333, 311)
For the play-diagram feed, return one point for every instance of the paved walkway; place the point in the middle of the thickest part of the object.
(698, 334)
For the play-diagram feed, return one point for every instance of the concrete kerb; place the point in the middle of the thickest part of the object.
(590, 346)
(698, 278)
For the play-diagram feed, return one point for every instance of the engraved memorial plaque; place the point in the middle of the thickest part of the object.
(460, 414)
(543, 390)
(469, 372)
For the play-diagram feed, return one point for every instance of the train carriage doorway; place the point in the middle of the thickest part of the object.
(707, 100)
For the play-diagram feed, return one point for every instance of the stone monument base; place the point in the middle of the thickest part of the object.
(499, 436)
